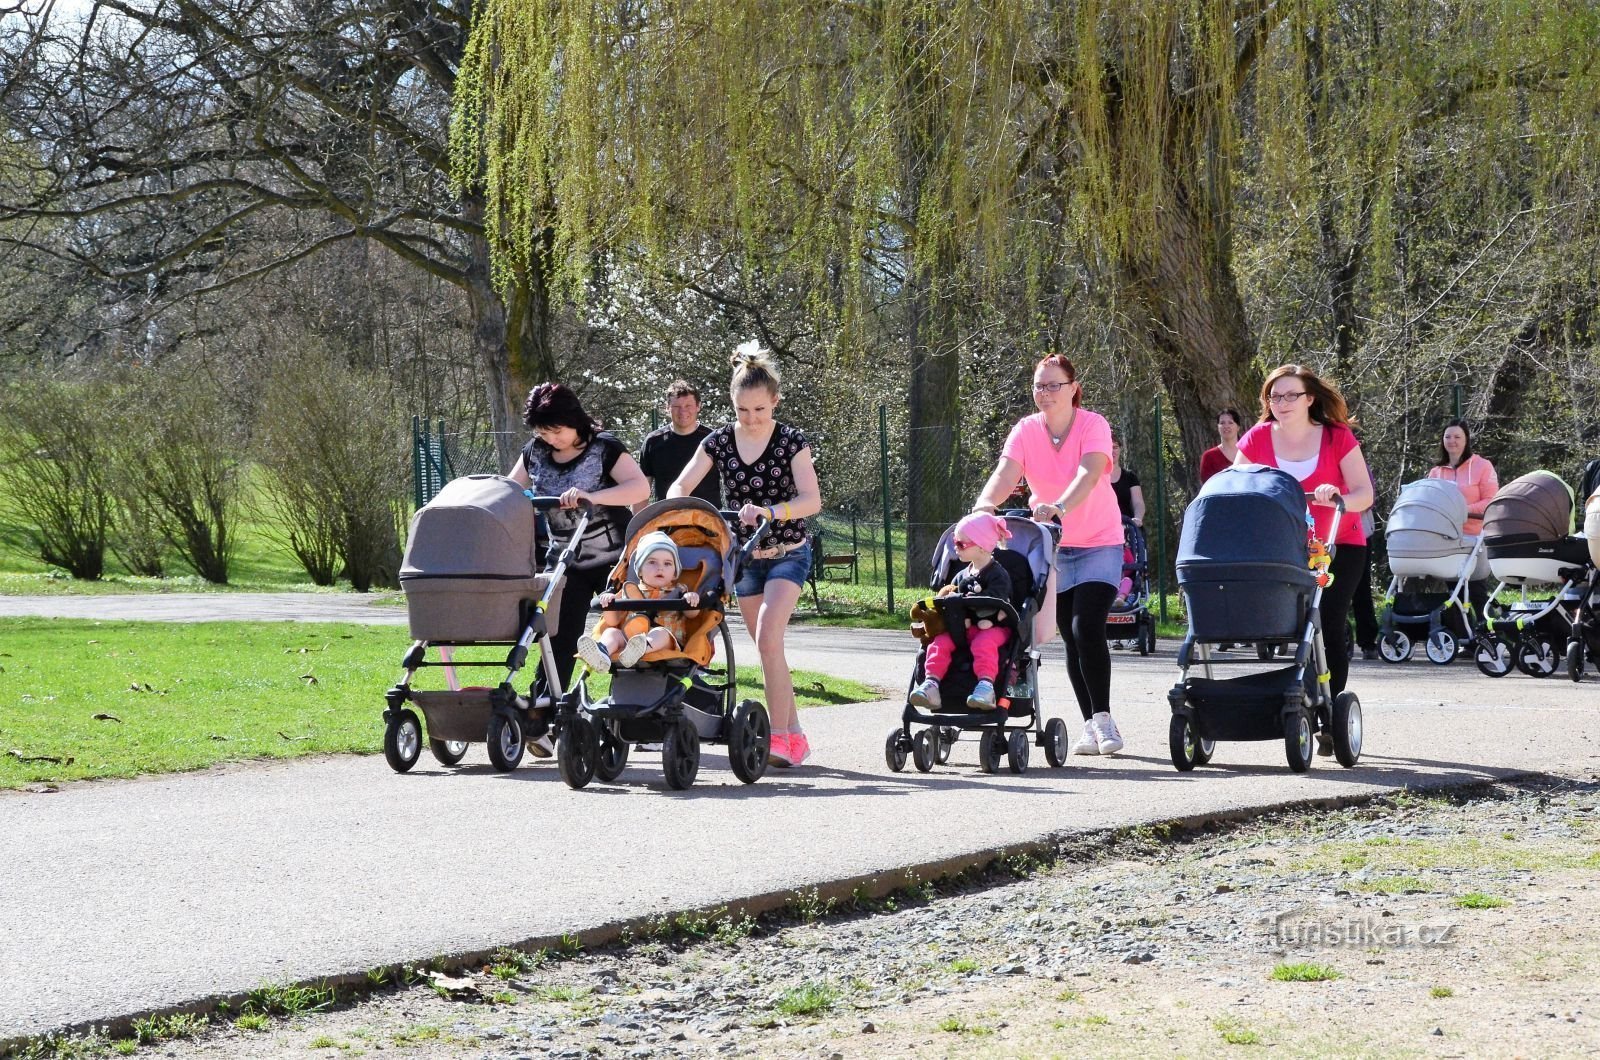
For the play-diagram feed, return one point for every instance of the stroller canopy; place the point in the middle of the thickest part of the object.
(1246, 514)
(1536, 507)
(1429, 506)
(479, 526)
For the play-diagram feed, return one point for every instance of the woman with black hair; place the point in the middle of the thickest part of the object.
(570, 457)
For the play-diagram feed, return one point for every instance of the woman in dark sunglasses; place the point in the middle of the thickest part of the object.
(1065, 452)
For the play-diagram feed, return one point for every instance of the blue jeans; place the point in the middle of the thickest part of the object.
(790, 567)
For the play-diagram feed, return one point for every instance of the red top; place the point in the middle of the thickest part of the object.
(1337, 441)
(1212, 461)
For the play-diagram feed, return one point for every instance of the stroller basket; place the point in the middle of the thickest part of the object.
(1240, 708)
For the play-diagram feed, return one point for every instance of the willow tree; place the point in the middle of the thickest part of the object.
(919, 153)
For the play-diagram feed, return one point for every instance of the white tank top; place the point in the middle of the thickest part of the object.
(1300, 469)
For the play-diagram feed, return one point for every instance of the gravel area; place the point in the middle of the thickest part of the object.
(1445, 925)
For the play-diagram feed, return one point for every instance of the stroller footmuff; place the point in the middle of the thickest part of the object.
(472, 580)
(1528, 532)
(1005, 734)
(672, 697)
(1243, 572)
(1433, 561)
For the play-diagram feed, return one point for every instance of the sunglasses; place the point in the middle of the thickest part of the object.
(960, 544)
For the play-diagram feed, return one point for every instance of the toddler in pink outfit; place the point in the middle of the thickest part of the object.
(976, 538)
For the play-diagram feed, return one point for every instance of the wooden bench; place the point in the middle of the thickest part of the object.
(830, 566)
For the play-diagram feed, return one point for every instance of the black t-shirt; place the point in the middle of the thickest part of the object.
(990, 581)
(590, 470)
(666, 453)
(1123, 488)
(767, 482)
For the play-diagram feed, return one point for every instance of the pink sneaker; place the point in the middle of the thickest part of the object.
(799, 748)
(780, 755)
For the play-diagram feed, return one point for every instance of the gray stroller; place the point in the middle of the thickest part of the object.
(471, 578)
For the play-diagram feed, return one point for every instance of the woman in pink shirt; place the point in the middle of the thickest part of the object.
(1473, 475)
(1305, 430)
(1065, 452)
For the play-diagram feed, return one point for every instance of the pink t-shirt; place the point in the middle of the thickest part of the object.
(1049, 471)
(1337, 440)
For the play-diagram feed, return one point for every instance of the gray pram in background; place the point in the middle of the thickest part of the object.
(472, 578)
(1432, 560)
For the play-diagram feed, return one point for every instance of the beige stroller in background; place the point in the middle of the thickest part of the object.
(472, 579)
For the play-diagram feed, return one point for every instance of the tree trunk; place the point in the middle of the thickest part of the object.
(933, 489)
(1184, 297)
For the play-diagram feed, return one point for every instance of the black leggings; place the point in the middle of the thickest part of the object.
(1081, 615)
(572, 618)
(1349, 563)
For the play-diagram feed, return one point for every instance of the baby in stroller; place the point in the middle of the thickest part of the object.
(976, 538)
(627, 636)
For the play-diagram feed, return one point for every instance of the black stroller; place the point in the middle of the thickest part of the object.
(672, 697)
(1007, 731)
(471, 578)
(1132, 615)
(1243, 571)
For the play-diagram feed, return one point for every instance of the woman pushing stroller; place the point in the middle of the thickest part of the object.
(976, 538)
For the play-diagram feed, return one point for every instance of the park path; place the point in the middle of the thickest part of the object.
(131, 896)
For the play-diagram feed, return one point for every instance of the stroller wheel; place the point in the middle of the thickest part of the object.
(749, 741)
(1493, 656)
(1297, 741)
(991, 746)
(1055, 743)
(1017, 751)
(1536, 658)
(680, 754)
(894, 751)
(448, 752)
(1265, 651)
(1184, 743)
(505, 742)
(1203, 750)
(1575, 660)
(1347, 728)
(947, 741)
(1395, 647)
(577, 752)
(1441, 647)
(402, 740)
(923, 750)
(612, 758)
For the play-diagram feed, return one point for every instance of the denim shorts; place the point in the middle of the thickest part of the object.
(790, 567)
(1100, 563)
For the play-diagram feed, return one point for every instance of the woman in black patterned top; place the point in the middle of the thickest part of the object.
(767, 473)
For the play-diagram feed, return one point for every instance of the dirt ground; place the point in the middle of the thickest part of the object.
(1436, 926)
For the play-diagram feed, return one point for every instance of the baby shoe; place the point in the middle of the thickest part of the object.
(593, 655)
(633, 651)
(982, 697)
(927, 694)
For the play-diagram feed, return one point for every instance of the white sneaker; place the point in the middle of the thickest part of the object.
(1089, 742)
(633, 651)
(593, 655)
(1106, 729)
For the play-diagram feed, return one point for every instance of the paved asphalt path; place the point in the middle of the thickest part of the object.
(123, 897)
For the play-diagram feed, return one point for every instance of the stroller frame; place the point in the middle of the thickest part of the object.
(673, 701)
(1525, 636)
(1006, 733)
(1441, 643)
(1290, 702)
(1135, 611)
(497, 716)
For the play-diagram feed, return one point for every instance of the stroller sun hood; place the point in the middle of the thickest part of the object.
(1246, 514)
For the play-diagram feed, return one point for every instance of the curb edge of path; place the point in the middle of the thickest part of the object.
(869, 886)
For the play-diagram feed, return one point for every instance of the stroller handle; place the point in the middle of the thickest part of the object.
(710, 600)
(544, 504)
(763, 527)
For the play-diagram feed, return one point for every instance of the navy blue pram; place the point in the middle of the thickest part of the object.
(1242, 569)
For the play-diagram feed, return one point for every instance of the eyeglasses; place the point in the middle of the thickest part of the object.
(1286, 399)
(960, 544)
(1051, 388)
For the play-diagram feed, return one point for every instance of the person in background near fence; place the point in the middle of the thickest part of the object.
(666, 452)
(570, 457)
(1475, 477)
(767, 470)
(1125, 484)
(1305, 429)
(1065, 452)
(1226, 450)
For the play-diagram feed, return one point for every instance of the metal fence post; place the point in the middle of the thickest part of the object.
(888, 536)
(416, 460)
(1161, 513)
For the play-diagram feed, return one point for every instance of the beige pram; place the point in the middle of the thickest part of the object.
(472, 578)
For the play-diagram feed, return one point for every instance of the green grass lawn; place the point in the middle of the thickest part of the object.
(82, 699)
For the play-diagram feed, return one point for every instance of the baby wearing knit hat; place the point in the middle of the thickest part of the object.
(628, 636)
(975, 538)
